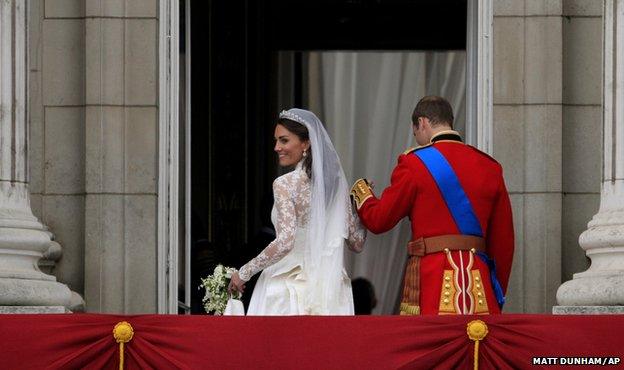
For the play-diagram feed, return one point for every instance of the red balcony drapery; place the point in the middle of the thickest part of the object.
(85, 341)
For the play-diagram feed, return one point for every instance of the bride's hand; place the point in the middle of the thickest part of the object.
(356, 247)
(236, 284)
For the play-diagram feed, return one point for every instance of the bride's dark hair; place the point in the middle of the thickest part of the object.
(302, 133)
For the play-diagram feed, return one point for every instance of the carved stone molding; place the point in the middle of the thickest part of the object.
(23, 239)
(603, 241)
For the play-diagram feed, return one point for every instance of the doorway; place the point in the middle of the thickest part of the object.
(247, 61)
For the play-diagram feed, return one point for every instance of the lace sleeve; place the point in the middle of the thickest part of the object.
(285, 230)
(357, 232)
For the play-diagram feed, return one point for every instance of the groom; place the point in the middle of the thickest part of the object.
(462, 231)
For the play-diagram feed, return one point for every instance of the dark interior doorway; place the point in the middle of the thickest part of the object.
(235, 98)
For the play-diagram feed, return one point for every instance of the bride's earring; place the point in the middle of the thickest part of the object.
(305, 154)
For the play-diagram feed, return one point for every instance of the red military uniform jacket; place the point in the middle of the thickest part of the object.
(451, 282)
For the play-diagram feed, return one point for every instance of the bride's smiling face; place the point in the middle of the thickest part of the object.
(288, 146)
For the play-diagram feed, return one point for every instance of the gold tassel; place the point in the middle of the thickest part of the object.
(477, 330)
(476, 355)
(123, 333)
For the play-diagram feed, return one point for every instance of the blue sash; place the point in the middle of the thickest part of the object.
(458, 204)
(498, 290)
(452, 191)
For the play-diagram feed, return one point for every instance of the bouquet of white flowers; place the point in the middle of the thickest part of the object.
(216, 286)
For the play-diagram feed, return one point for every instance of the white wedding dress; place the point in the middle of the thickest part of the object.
(284, 284)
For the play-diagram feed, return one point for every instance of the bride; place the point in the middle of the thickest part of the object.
(303, 271)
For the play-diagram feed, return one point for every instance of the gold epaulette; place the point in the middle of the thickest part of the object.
(361, 191)
(410, 150)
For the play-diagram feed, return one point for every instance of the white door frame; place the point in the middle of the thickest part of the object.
(479, 70)
(479, 93)
(187, 161)
(168, 161)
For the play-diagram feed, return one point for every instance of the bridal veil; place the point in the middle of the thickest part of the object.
(328, 229)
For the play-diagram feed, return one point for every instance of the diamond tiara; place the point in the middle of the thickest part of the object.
(293, 117)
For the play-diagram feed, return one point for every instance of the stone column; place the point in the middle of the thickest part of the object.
(121, 162)
(527, 125)
(23, 239)
(600, 289)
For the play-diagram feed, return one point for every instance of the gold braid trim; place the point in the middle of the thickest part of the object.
(479, 293)
(123, 333)
(361, 191)
(448, 293)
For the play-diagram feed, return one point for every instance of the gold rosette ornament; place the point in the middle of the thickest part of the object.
(477, 330)
(123, 333)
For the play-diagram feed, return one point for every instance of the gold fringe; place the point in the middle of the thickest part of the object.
(123, 333)
(409, 309)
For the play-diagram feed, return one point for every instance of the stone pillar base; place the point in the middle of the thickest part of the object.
(593, 288)
(32, 309)
(588, 310)
(25, 292)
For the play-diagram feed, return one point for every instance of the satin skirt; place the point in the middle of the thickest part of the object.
(281, 288)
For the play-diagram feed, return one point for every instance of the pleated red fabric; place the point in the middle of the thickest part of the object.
(85, 341)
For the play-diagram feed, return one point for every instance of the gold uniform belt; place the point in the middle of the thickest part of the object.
(420, 247)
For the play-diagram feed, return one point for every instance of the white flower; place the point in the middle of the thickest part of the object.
(216, 285)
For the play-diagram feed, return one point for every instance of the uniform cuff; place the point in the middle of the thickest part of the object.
(360, 192)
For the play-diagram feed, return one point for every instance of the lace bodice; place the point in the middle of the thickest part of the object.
(292, 211)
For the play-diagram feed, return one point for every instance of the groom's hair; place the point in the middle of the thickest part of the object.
(437, 109)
